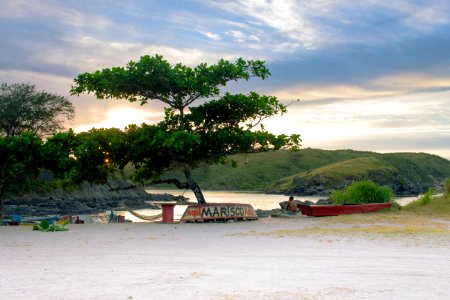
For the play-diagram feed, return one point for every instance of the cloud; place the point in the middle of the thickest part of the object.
(283, 16)
(419, 16)
(330, 91)
(212, 36)
(237, 35)
(87, 53)
(56, 11)
(313, 25)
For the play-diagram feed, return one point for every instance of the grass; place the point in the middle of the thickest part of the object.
(421, 201)
(438, 207)
(429, 224)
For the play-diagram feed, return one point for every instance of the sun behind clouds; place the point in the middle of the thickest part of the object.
(120, 118)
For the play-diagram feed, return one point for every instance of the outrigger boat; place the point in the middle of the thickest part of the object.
(341, 209)
(218, 212)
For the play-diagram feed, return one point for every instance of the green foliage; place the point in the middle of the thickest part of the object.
(447, 186)
(20, 162)
(208, 133)
(46, 227)
(423, 200)
(87, 156)
(155, 78)
(23, 109)
(362, 192)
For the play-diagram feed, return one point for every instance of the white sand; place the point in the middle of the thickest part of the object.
(264, 259)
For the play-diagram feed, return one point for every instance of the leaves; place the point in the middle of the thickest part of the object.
(23, 109)
(46, 227)
(153, 77)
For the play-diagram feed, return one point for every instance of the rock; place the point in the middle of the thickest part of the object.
(324, 202)
(263, 213)
(87, 199)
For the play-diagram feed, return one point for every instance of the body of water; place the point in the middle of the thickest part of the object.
(257, 200)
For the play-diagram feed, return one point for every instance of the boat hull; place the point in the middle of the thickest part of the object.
(218, 212)
(335, 210)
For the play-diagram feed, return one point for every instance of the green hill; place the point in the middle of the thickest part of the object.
(312, 171)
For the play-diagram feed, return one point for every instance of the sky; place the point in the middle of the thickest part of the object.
(370, 75)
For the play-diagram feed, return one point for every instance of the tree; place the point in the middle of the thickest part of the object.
(20, 162)
(25, 116)
(23, 109)
(207, 133)
(87, 156)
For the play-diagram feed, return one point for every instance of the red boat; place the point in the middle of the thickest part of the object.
(341, 209)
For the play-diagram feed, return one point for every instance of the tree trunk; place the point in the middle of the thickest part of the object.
(194, 186)
(197, 192)
(2, 207)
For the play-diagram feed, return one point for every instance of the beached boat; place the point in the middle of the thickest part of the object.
(219, 212)
(341, 209)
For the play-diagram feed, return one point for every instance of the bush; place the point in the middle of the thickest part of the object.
(362, 192)
(447, 186)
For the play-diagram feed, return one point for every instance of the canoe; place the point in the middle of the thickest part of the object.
(341, 209)
(218, 212)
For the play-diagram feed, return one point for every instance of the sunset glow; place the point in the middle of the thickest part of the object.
(370, 75)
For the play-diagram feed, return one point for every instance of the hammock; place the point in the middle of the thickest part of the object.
(144, 217)
(140, 216)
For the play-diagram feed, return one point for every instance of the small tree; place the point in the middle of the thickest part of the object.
(23, 109)
(20, 162)
(25, 116)
(207, 133)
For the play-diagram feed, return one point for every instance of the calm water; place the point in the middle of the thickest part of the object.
(257, 200)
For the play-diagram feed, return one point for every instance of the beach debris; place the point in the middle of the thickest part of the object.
(45, 226)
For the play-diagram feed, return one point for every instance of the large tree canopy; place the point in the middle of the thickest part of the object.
(225, 125)
(23, 109)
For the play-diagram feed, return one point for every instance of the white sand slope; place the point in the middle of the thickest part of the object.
(264, 259)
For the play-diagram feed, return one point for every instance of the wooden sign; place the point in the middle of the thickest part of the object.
(218, 212)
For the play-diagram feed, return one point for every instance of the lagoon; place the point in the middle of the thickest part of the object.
(257, 200)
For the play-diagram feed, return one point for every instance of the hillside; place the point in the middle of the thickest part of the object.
(312, 171)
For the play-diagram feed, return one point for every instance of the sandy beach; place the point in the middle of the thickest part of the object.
(354, 257)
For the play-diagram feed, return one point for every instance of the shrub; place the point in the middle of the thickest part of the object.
(362, 192)
(447, 186)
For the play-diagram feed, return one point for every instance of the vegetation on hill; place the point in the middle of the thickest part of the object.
(314, 171)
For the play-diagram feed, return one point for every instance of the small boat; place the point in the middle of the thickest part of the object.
(341, 209)
(219, 212)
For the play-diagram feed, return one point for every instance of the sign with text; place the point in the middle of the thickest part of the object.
(218, 211)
